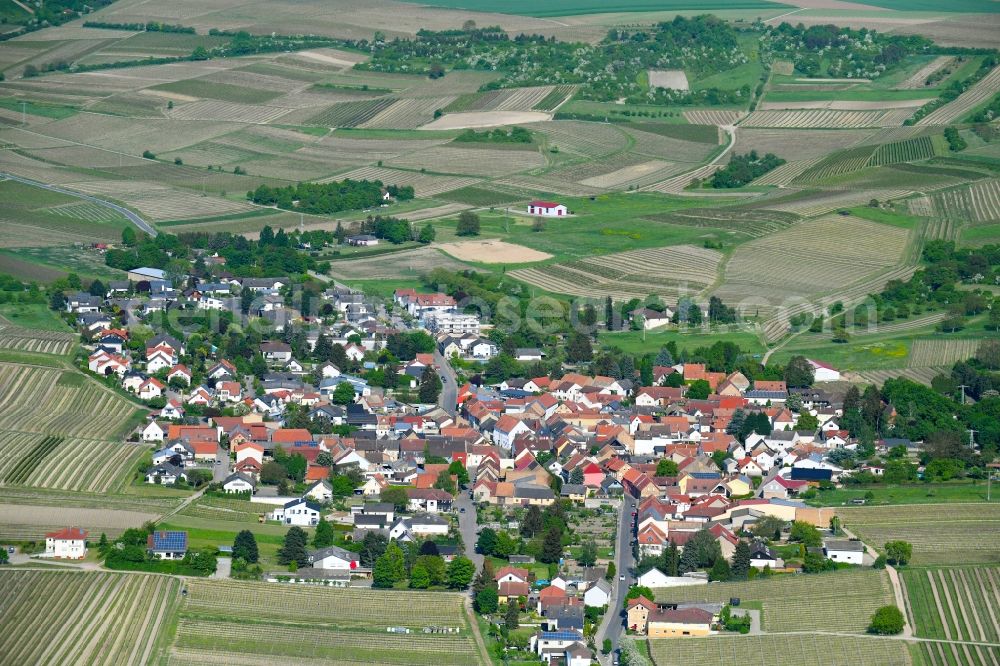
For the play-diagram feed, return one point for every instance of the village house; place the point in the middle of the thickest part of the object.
(167, 545)
(68, 543)
(300, 512)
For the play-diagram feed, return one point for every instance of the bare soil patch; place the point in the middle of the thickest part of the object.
(474, 119)
(493, 252)
(672, 79)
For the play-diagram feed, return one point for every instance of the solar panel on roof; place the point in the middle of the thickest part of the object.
(170, 541)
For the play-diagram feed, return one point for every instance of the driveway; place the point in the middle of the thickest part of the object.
(755, 629)
(220, 470)
(223, 567)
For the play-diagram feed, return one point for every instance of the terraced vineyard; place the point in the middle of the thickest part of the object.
(827, 118)
(753, 223)
(986, 88)
(667, 271)
(54, 402)
(977, 202)
(931, 353)
(944, 654)
(793, 649)
(77, 617)
(841, 601)
(954, 603)
(343, 626)
(46, 461)
(909, 150)
(18, 338)
(350, 114)
(940, 533)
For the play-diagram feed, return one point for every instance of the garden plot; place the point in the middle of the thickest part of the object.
(940, 533)
(955, 110)
(671, 79)
(62, 617)
(954, 604)
(827, 118)
(394, 266)
(668, 271)
(425, 185)
(934, 353)
(586, 139)
(471, 161)
(228, 111)
(712, 117)
(794, 649)
(841, 601)
(794, 145)
(847, 249)
(918, 79)
(407, 113)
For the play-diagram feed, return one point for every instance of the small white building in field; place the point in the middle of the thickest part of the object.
(547, 209)
(69, 543)
(851, 552)
(824, 372)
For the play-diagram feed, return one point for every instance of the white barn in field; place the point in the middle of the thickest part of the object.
(824, 372)
(547, 209)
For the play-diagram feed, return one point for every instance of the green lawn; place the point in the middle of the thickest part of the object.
(732, 79)
(916, 493)
(981, 235)
(205, 533)
(892, 217)
(33, 315)
(633, 342)
(609, 223)
(43, 109)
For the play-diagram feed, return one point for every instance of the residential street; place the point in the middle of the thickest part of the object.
(468, 526)
(611, 625)
(220, 470)
(449, 387)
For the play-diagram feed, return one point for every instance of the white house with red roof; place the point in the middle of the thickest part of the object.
(546, 209)
(69, 543)
(181, 372)
(151, 388)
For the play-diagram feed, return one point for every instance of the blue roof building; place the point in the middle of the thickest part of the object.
(167, 545)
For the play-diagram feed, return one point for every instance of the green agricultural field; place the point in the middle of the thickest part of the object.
(221, 91)
(35, 316)
(940, 534)
(610, 223)
(793, 649)
(839, 601)
(85, 617)
(578, 7)
(916, 493)
(954, 603)
(634, 342)
(343, 625)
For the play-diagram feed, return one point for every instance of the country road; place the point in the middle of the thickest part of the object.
(142, 224)
(612, 624)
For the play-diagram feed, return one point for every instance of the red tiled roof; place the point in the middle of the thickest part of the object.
(68, 533)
